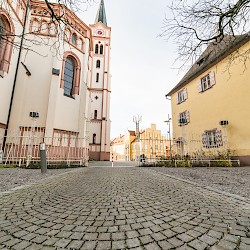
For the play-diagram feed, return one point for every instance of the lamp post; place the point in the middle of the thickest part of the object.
(168, 121)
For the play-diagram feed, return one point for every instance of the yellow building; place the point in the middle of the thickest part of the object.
(152, 144)
(211, 105)
(120, 147)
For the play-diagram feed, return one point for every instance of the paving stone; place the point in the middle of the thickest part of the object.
(62, 243)
(132, 234)
(226, 245)
(133, 242)
(152, 246)
(197, 244)
(75, 244)
(165, 245)
(21, 245)
(120, 244)
(89, 245)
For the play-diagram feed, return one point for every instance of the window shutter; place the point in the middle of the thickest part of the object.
(218, 137)
(187, 116)
(204, 140)
(177, 99)
(199, 86)
(185, 94)
(212, 78)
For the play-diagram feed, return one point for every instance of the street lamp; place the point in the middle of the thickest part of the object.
(169, 123)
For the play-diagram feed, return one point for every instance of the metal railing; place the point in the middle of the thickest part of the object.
(22, 147)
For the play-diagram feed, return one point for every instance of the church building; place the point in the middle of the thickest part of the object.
(54, 82)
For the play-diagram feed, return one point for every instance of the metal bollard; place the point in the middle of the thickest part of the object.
(43, 161)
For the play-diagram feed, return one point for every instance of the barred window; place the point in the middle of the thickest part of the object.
(212, 139)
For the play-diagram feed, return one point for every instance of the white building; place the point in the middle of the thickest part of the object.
(55, 81)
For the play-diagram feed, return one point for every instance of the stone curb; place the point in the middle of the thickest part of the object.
(237, 197)
(12, 190)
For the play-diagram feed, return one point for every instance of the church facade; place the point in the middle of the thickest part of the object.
(54, 81)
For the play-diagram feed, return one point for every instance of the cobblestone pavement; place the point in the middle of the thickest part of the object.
(235, 180)
(121, 208)
(15, 177)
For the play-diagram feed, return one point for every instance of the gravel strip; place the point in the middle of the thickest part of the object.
(15, 177)
(231, 180)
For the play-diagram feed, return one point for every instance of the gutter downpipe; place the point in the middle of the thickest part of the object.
(15, 78)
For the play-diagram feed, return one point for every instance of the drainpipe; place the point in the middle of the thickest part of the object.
(15, 78)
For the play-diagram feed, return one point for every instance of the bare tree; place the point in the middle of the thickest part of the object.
(56, 10)
(194, 24)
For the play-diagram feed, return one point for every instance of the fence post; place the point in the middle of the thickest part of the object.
(43, 162)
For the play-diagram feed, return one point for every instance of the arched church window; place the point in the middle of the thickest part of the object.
(69, 74)
(98, 64)
(6, 43)
(101, 49)
(96, 49)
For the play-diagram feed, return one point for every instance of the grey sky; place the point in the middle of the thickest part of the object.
(141, 63)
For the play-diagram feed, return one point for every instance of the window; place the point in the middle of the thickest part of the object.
(212, 139)
(98, 64)
(95, 114)
(69, 69)
(206, 82)
(97, 77)
(101, 49)
(73, 39)
(94, 138)
(184, 118)
(6, 44)
(96, 49)
(182, 96)
(71, 74)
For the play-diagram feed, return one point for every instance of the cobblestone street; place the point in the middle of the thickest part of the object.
(121, 208)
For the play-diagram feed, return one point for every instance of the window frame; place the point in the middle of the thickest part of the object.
(69, 61)
(77, 73)
(206, 82)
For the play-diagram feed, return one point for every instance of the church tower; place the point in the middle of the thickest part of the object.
(100, 89)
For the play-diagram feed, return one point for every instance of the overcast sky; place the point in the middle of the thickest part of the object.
(142, 66)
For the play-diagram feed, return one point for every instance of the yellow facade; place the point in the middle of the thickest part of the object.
(152, 144)
(228, 99)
